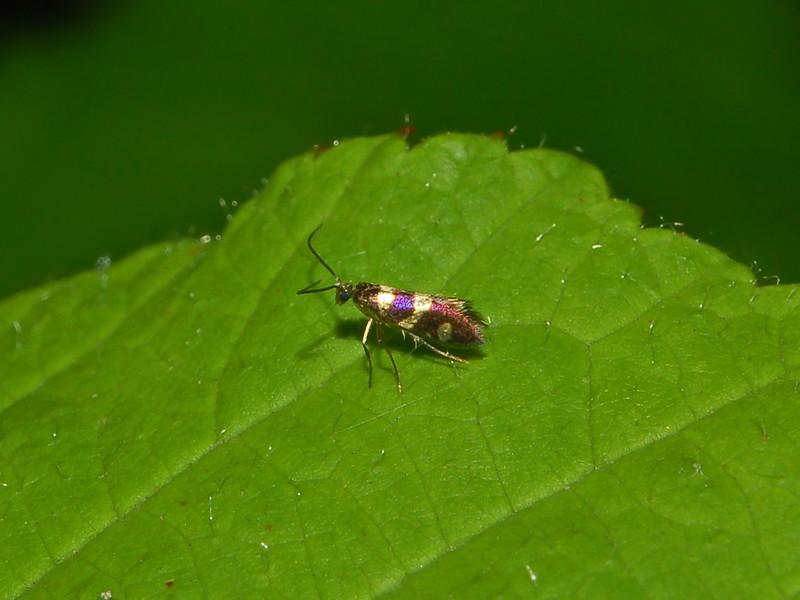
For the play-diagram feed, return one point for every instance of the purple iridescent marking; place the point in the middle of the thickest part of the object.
(438, 307)
(402, 304)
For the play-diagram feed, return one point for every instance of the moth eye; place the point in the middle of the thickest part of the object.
(444, 331)
(345, 296)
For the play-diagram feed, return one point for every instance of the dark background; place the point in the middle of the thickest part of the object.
(124, 123)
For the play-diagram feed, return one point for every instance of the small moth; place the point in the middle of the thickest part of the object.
(427, 318)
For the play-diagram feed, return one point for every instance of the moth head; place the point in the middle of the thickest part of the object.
(344, 291)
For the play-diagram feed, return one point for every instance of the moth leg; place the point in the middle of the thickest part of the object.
(366, 349)
(379, 335)
(418, 341)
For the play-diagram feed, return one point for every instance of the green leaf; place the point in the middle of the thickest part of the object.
(183, 422)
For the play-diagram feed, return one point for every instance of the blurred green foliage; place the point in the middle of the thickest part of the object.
(128, 124)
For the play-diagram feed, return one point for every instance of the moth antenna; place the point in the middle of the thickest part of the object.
(315, 253)
(307, 289)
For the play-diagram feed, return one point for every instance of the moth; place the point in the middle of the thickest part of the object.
(427, 318)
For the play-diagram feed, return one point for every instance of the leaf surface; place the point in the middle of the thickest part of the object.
(183, 421)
